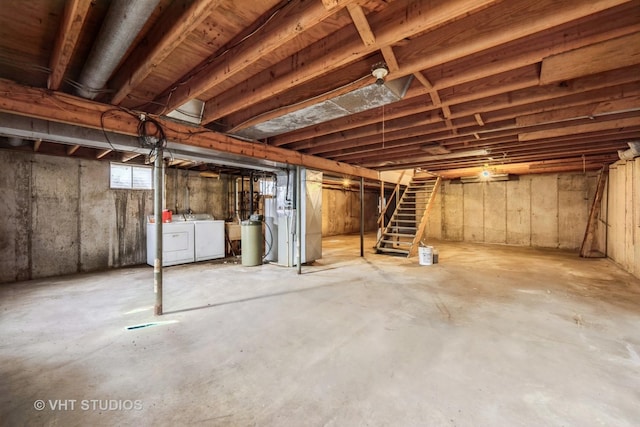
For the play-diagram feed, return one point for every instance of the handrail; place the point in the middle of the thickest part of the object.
(424, 219)
(395, 190)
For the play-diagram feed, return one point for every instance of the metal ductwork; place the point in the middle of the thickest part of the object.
(631, 153)
(362, 99)
(122, 24)
(15, 141)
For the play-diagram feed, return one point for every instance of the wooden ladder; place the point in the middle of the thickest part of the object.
(402, 234)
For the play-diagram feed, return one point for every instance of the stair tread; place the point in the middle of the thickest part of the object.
(395, 242)
(398, 235)
(397, 251)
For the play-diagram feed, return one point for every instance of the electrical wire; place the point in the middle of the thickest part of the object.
(206, 63)
(46, 70)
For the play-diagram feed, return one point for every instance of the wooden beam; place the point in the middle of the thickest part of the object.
(398, 21)
(552, 44)
(608, 55)
(478, 118)
(423, 79)
(129, 156)
(587, 110)
(294, 19)
(569, 165)
(390, 59)
(495, 66)
(36, 144)
(584, 128)
(362, 25)
(175, 25)
(446, 112)
(75, 14)
(65, 108)
(333, 5)
(72, 149)
(102, 153)
(435, 98)
(425, 126)
(513, 20)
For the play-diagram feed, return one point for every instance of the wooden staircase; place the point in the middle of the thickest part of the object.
(402, 234)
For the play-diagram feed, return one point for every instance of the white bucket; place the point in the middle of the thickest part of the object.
(425, 255)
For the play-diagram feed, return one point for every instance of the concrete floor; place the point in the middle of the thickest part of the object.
(490, 336)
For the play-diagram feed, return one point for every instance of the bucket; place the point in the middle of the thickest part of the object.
(425, 255)
(167, 215)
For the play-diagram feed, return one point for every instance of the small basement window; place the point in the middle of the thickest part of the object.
(131, 177)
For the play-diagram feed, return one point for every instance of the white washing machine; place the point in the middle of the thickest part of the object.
(177, 243)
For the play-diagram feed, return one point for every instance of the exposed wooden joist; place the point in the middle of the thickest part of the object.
(72, 149)
(361, 23)
(423, 79)
(363, 118)
(433, 93)
(399, 118)
(407, 146)
(64, 108)
(573, 112)
(478, 118)
(176, 24)
(75, 14)
(446, 112)
(36, 144)
(397, 22)
(608, 55)
(296, 18)
(524, 18)
(390, 59)
(128, 156)
(103, 153)
(518, 57)
(502, 151)
(572, 130)
(514, 19)
(333, 5)
(568, 165)
(430, 129)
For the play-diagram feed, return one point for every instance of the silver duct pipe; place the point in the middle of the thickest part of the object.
(122, 24)
(15, 141)
(631, 153)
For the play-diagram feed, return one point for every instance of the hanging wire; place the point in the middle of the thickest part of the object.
(382, 125)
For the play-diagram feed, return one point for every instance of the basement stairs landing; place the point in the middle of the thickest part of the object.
(401, 236)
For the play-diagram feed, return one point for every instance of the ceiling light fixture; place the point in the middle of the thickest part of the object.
(380, 71)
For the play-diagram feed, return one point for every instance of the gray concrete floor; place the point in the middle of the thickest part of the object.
(490, 336)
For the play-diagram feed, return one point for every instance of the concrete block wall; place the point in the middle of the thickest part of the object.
(341, 211)
(546, 210)
(620, 215)
(59, 217)
(188, 190)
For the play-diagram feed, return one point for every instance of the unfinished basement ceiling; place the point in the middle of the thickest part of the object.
(550, 85)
